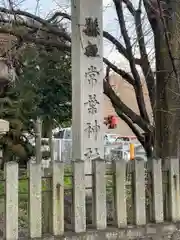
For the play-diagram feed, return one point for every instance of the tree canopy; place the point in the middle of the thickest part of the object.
(42, 89)
(45, 83)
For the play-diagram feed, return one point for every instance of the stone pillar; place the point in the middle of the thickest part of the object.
(11, 200)
(87, 81)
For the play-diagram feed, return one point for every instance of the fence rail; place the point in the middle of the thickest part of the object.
(154, 193)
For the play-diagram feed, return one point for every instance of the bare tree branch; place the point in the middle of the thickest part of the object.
(121, 49)
(120, 72)
(59, 32)
(59, 14)
(138, 85)
(131, 125)
(25, 36)
(53, 29)
(34, 28)
(126, 119)
(107, 78)
(146, 68)
(117, 102)
(40, 41)
(130, 7)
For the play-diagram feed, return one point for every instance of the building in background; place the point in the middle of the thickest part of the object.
(126, 92)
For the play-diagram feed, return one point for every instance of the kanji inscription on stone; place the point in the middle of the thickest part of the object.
(92, 74)
(91, 153)
(91, 50)
(92, 104)
(91, 27)
(93, 129)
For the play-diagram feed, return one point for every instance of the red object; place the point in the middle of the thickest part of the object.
(111, 121)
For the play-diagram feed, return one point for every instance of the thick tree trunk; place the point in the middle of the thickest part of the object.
(167, 49)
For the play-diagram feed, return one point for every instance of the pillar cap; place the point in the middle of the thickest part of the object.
(4, 126)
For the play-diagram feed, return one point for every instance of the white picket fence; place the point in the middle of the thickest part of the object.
(119, 170)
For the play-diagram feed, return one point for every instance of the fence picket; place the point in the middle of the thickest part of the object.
(120, 193)
(35, 200)
(55, 202)
(174, 189)
(79, 197)
(58, 197)
(155, 166)
(47, 201)
(11, 209)
(139, 191)
(99, 194)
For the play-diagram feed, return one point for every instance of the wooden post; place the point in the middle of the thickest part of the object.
(174, 194)
(58, 197)
(99, 183)
(120, 193)
(35, 202)
(155, 167)
(47, 201)
(79, 192)
(11, 209)
(139, 191)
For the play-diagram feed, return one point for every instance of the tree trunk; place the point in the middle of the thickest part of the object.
(167, 50)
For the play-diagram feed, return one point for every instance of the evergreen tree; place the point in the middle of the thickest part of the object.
(42, 89)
